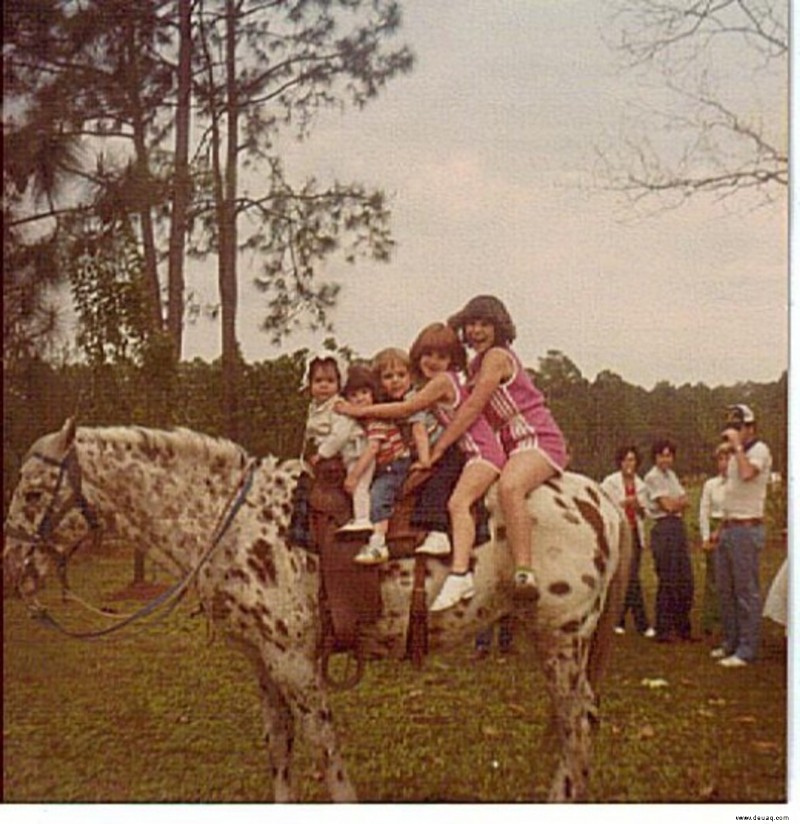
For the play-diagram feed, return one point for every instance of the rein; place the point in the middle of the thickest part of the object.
(173, 595)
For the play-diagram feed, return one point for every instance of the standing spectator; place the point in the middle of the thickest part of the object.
(742, 539)
(505, 637)
(712, 500)
(627, 489)
(776, 604)
(667, 502)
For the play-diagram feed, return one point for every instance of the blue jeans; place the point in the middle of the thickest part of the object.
(634, 599)
(386, 488)
(483, 640)
(738, 589)
(675, 590)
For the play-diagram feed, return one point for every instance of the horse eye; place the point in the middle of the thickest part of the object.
(33, 496)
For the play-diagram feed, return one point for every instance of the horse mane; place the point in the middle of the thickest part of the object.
(181, 442)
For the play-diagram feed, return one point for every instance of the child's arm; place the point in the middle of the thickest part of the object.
(435, 390)
(420, 435)
(492, 373)
(332, 444)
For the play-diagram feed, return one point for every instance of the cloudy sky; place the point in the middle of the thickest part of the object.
(487, 150)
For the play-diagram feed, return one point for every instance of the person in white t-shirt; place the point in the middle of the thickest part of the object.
(741, 539)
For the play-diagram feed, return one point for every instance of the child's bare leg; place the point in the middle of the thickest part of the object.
(475, 479)
(458, 586)
(361, 495)
(523, 472)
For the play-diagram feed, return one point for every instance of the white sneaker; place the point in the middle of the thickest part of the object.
(719, 652)
(733, 661)
(525, 585)
(619, 630)
(372, 553)
(456, 588)
(435, 543)
(356, 526)
(650, 633)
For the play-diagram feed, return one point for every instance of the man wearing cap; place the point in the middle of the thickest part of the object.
(741, 539)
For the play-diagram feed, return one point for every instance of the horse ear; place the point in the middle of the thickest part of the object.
(67, 434)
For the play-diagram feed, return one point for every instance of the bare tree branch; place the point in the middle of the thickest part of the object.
(719, 132)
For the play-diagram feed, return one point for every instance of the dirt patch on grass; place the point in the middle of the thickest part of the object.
(142, 591)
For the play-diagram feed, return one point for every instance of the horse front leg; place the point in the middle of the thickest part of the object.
(278, 737)
(296, 688)
(575, 710)
(314, 713)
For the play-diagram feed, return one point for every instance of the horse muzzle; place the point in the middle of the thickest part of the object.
(24, 566)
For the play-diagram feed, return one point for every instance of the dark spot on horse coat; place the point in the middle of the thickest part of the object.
(589, 581)
(237, 573)
(220, 607)
(281, 627)
(501, 533)
(553, 485)
(600, 564)
(592, 493)
(560, 588)
(560, 502)
(593, 517)
(263, 551)
(571, 627)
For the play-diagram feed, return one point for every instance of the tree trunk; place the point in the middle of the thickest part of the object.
(182, 182)
(142, 182)
(227, 235)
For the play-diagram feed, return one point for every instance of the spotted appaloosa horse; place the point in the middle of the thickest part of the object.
(201, 506)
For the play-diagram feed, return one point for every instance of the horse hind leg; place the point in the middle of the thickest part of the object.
(575, 712)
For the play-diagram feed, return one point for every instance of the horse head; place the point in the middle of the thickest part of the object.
(48, 515)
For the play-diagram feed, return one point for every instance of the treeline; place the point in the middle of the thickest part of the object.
(596, 416)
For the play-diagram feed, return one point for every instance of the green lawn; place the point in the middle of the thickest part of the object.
(160, 713)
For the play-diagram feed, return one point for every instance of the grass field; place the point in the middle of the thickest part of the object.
(160, 713)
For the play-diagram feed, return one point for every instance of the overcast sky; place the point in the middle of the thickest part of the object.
(486, 150)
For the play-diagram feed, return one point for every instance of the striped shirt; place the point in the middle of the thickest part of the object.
(391, 446)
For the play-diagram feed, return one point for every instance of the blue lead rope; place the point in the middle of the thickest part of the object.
(175, 592)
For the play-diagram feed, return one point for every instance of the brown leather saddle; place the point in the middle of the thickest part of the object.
(350, 598)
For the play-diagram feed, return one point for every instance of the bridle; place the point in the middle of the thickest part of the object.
(69, 469)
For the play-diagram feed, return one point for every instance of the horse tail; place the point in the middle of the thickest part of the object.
(600, 649)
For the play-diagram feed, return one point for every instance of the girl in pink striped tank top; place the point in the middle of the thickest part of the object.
(501, 390)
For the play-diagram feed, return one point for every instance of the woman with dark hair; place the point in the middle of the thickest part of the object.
(502, 391)
(667, 502)
(627, 489)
